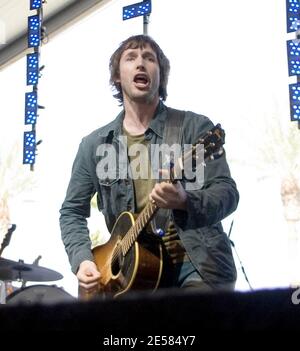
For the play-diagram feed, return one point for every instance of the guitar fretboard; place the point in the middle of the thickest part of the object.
(143, 219)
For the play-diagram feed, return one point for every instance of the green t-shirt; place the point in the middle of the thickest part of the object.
(140, 164)
(143, 186)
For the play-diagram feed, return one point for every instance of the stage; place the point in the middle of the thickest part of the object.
(163, 313)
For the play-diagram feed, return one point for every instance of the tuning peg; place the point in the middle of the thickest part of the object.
(160, 232)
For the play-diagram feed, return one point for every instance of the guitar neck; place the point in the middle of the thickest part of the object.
(141, 222)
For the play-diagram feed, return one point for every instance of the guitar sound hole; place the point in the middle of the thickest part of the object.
(117, 261)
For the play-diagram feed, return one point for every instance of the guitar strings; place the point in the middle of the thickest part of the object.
(130, 237)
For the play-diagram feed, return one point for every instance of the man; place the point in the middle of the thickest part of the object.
(197, 250)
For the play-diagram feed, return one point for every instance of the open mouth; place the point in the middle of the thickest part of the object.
(141, 80)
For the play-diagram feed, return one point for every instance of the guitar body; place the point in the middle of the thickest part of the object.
(139, 269)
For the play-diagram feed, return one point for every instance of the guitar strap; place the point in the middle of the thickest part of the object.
(172, 135)
(174, 126)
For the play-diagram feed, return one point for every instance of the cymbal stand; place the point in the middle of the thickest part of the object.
(35, 262)
(241, 264)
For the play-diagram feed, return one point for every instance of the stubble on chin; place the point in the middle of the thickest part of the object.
(146, 98)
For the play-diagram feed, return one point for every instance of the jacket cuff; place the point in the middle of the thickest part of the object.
(80, 257)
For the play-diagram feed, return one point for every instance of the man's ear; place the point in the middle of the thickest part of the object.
(116, 77)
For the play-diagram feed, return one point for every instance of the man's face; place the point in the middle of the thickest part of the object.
(139, 75)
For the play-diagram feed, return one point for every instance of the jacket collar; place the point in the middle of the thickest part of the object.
(156, 125)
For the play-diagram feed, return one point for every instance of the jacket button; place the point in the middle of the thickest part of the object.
(148, 136)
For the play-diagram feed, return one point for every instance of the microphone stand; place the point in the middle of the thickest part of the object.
(241, 265)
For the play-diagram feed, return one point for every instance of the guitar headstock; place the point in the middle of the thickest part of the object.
(212, 141)
(209, 146)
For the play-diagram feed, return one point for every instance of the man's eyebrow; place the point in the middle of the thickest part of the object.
(130, 52)
(133, 52)
(149, 53)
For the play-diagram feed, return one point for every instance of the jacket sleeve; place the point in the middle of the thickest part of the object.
(216, 199)
(76, 208)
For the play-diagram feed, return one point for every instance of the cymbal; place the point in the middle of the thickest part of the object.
(12, 270)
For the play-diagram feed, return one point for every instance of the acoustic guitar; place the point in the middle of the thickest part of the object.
(132, 259)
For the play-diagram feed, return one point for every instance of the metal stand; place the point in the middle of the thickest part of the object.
(145, 24)
(241, 264)
(2, 292)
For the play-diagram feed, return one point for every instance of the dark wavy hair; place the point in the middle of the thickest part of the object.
(134, 42)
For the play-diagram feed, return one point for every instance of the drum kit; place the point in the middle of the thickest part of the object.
(23, 272)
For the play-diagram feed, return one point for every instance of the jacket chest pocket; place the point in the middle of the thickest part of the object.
(111, 195)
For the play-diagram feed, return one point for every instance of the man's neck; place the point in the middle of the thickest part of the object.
(138, 116)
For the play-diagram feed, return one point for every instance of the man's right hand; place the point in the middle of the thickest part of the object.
(88, 276)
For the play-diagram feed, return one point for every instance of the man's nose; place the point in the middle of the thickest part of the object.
(140, 62)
